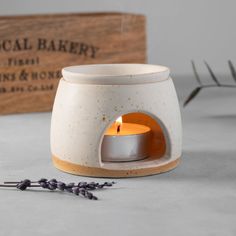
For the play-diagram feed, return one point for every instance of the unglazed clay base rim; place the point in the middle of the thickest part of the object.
(100, 172)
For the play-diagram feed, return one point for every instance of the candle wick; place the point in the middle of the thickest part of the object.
(118, 129)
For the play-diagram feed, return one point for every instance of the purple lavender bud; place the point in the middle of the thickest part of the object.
(53, 180)
(82, 191)
(92, 184)
(52, 186)
(90, 187)
(27, 182)
(22, 186)
(43, 184)
(82, 184)
(89, 195)
(61, 186)
(68, 190)
(70, 185)
(76, 190)
(42, 180)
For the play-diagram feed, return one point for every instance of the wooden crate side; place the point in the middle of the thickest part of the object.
(34, 49)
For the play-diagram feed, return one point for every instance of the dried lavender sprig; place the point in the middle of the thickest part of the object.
(71, 188)
(74, 190)
(51, 184)
(16, 182)
(84, 192)
(78, 189)
(86, 185)
(94, 185)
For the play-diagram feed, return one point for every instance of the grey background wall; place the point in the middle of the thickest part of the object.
(178, 30)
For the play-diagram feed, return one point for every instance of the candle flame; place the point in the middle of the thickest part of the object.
(118, 123)
(119, 120)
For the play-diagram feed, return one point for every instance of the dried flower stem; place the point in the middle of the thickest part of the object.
(216, 84)
(82, 188)
(11, 185)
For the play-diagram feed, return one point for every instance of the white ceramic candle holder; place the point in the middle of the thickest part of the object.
(88, 101)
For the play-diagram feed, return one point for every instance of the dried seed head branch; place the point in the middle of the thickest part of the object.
(197, 77)
(214, 78)
(216, 84)
(232, 70)
(192, 95)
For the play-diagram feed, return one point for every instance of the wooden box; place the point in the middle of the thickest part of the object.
(34, 49)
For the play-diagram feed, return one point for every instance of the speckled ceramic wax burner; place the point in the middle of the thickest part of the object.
(117, 120)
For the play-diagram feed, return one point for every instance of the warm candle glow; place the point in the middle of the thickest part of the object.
(119, 120)
(118, 124)
(126, 141)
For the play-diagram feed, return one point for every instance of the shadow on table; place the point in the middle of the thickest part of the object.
(204, 166)
(222, 117)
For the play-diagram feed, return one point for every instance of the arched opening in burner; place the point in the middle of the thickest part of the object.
(140, 137)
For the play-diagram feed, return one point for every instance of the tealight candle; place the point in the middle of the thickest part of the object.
(126, 142)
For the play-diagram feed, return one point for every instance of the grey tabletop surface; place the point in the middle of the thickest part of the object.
(196, 198)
